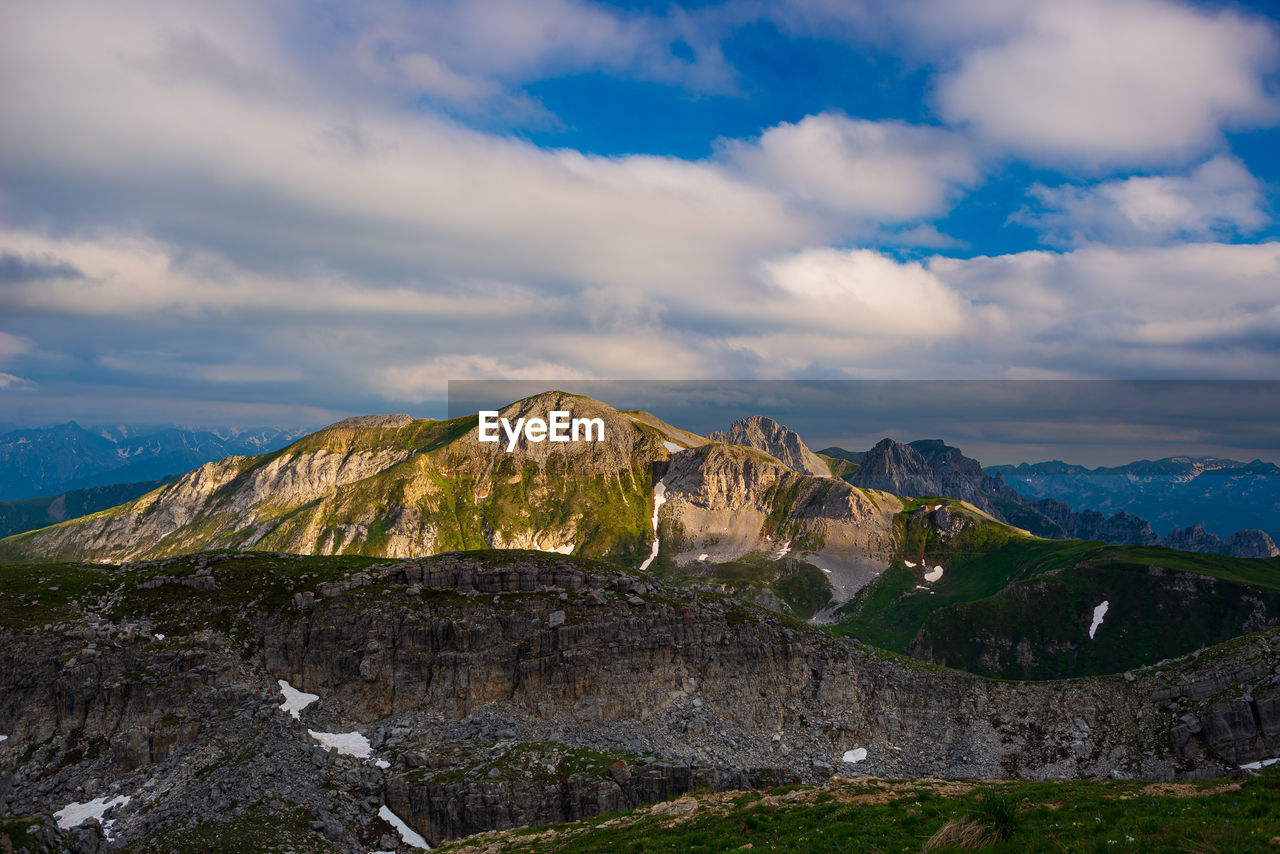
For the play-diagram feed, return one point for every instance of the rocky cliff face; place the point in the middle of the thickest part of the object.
(779, 442)
(724, 502)
(1122, 529)
(1251, 543)
(929, 468)
(500, 688)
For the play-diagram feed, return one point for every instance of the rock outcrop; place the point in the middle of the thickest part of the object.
(1249, 544)
(929, 468)
(779, 442)
(1121, 529)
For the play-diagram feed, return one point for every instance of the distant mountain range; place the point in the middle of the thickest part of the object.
(931, 467)
(47, 461)
(1223, 496)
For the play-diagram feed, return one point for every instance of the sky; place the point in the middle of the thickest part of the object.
(1086, 422)
(281, 213)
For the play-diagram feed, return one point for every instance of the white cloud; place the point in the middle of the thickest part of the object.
(12, 345)
(256, 221)
(314, 174)
(884, 171)
(1106, 81)
(869, 294)
(1135, 312)
(468, 50)
(9, 382)
(1219, 198)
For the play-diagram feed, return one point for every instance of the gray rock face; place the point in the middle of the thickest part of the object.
(927, 468)
(782, 443)
(723, 502)
(1121, 529)
(712, 691)
(1248, 544)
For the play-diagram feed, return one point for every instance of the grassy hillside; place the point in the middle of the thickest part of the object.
(32, 513)
(913, 815)
(393, 487)
(1016, 607)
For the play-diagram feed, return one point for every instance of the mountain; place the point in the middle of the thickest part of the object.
(781, 443)
(1020, 608)
(724, 518)
(933, 468)
(47, 461)
(476, 691)
(394, 486)
(32, 513)
(929, 467)
(1221, 495)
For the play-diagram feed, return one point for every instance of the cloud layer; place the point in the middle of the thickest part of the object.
(233, 205)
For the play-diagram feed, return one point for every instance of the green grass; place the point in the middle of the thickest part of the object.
(998, 592)
(882, 816)
(802, 588)
(543, 761)
(261, 829)
(249, 583)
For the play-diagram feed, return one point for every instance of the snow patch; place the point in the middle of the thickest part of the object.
(782, 552)
(703, 557)
(4, 738)
(659, 498)
(73, 815)
(856, 755)
(824, 569)
(295, 700)
(933, 574)
(346, 743)
(910, 564)
(672, 447)
(1260, 764)
(407, 833)
(382, 763)
(1098, 613)
(159, 637)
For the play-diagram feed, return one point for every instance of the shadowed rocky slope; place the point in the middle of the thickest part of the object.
(509, 688)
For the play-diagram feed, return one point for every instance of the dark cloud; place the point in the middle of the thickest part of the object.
(17, 269)
(1094, 422)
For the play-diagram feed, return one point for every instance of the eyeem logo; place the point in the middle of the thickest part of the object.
(559, 427)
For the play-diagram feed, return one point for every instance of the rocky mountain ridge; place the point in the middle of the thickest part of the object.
(497, 689)
(931, 467)
(779, 442)
(394, 486)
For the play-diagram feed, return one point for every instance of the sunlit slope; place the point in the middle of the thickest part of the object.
(394, 486)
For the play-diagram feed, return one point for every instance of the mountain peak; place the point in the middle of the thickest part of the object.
(781, 442)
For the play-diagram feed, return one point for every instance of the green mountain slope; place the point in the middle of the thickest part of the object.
(393, 486)
(30, 514)
(1022, 608)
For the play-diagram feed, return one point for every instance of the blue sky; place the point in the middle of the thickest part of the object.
(242, 214)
